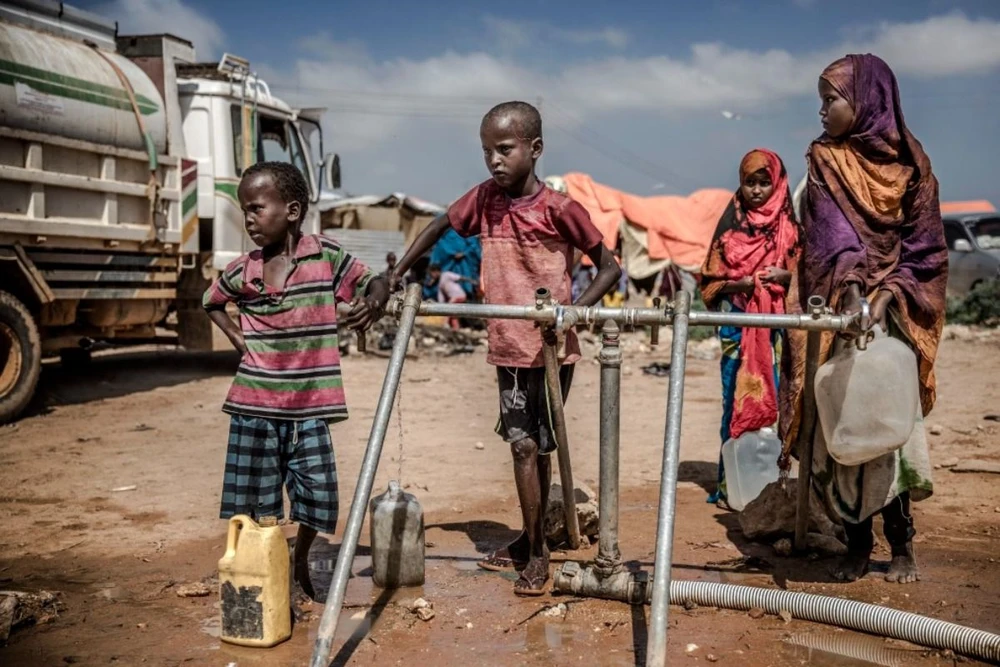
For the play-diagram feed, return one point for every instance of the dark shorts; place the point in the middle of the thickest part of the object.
(524, 405)
(265, 455)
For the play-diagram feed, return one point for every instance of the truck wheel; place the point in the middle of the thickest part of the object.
(20, 357)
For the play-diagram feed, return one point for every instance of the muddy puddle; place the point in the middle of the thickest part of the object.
(846, 649)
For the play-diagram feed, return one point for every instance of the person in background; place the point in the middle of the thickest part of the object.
(529, 233)
(449, 286)
(872, 228)
(390, 263)
(748, 269)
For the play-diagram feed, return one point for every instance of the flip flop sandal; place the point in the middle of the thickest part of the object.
(533, 590)
(497, 563)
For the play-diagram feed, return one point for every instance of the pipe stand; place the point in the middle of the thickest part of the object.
(366, 479)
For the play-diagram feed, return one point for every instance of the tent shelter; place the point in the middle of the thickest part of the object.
(393, 213)
(654, 232)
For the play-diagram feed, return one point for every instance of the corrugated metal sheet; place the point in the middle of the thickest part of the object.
(330, 201)
(369, 246)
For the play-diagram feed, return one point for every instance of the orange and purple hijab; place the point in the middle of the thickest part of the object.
(871, 218)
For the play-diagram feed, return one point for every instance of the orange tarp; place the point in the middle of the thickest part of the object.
(680, 228)
(980, 206)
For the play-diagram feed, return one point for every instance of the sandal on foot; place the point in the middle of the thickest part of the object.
(496, 562)
(536, 585)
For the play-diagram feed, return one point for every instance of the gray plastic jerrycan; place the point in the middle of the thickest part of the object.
(397, 537)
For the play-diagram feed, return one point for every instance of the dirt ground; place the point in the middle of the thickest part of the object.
(150, 419)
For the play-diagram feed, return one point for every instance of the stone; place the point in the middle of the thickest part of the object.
(783, 547)
(786, 616)
(193, 590)
(691, 648)
(974, 465)
(772, 514)
(586, 513)
(420, 603)
(936, 429)
(756, 613)
(557, 611)
(825, 544)
(425, 614)
(480, 446)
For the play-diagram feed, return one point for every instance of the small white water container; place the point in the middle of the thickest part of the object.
(751, 463)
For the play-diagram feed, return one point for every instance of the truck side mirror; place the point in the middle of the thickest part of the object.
(331, 171)
(962, 245)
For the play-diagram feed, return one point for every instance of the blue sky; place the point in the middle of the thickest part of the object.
(635, 94)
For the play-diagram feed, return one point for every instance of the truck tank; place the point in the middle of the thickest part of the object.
(58, 86)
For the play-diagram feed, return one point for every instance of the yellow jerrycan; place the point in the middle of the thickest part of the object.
(254, 584)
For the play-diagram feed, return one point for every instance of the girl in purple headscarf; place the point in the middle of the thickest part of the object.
(872, 228)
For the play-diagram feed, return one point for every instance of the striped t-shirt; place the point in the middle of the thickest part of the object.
(292, 366)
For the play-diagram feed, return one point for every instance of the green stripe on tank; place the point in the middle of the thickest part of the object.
(70, 87)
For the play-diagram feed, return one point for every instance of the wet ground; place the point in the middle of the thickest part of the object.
(151, 420)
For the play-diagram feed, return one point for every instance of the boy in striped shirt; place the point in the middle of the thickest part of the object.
(288, 385)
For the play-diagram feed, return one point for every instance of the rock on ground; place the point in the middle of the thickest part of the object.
(586, 513)
(772, 514)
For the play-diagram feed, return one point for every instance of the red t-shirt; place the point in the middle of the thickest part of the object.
(527, 243)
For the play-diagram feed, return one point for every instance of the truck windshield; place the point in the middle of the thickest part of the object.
(987, 233)
(277, 141)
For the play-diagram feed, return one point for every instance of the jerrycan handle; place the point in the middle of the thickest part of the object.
(236, 524)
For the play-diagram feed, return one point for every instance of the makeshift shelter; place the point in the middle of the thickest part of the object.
(655, 232)
(978, 206)
(393, 213)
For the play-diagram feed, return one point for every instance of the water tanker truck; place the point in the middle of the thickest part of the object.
(119, 161)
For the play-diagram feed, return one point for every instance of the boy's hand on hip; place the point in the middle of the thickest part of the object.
(240, 344)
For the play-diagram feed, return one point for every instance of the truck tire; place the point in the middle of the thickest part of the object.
(20, 357)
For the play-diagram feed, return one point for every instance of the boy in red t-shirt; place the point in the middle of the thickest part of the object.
(529, 235)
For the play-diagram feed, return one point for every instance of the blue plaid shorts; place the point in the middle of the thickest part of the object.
(265, 454)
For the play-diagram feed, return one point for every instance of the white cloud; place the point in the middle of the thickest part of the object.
(379, 106)
(170, 16)
(512, 34)
(393, 119)
(714, 76)
(939, 46)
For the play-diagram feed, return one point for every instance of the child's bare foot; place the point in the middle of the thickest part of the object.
(300, 559)
(514, 556)
(853, 566)
(903, 568)
(300, 575)
(533, 577)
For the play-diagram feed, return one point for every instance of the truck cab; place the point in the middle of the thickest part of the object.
(231, 120)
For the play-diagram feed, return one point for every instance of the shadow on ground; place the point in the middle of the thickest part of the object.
(121, 373)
